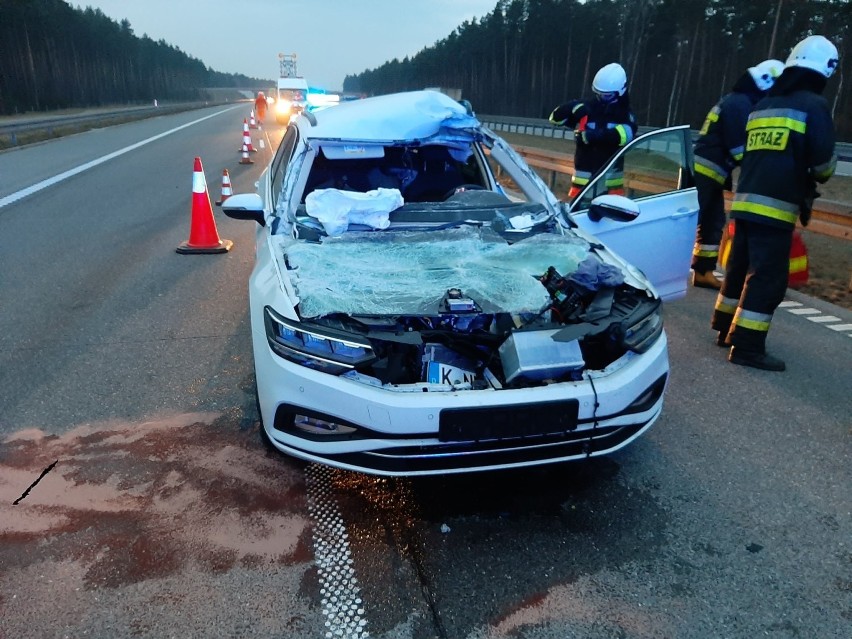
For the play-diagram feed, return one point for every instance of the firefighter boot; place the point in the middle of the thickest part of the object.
(755, 359)
(706, 280)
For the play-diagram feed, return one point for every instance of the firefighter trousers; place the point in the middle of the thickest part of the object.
(755, 284)
(711, 222)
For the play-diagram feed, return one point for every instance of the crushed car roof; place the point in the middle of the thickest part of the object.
(428, 116)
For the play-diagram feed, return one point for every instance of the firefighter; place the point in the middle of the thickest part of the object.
(601, 124)
(718, 150)
(260, 106)
(789, 148)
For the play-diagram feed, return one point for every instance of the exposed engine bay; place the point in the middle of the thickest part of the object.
(471, 350)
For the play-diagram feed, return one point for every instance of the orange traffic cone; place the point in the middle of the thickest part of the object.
(725, 243)
(798, 271)
(226, 187)
(252, 122)
(203, 236)
(798, 274)
(247, 137)
(245, 159)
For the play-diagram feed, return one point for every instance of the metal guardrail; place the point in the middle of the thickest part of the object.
(829, 218)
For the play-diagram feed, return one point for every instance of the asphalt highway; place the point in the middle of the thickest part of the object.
(137, 499)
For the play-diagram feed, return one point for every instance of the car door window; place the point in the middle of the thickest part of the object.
(279, 163)
(657, 175)
(660, 163)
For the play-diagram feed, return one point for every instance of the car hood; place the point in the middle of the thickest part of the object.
(410, 272)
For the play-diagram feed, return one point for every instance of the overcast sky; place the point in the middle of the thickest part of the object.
(332, 38)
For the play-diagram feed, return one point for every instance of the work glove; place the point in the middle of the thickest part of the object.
(589, 136)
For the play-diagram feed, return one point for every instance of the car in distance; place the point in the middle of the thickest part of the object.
(422, 303)
(291, 98)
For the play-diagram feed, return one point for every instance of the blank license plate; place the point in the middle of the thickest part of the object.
(508, 422)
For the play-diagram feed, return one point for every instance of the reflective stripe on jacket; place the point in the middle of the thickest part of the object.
(722, 138)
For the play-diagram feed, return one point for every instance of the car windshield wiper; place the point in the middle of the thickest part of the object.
(440, 227)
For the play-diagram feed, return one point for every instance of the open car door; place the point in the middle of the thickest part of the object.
(657, 232)
(652, 225)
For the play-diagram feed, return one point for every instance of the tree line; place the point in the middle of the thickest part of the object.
(55, 56)
(526, 56)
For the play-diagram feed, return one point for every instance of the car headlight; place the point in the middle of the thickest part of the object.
(317, 347)
(282, 106)
(642, 328)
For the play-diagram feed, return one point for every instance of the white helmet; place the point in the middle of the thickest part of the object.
(610, 82)
(814, 52)
(765, 73)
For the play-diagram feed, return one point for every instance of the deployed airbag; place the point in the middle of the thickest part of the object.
(336, 209)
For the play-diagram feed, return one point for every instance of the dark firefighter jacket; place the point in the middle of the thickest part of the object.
(721, 143)
(789, 147)
(609, 126)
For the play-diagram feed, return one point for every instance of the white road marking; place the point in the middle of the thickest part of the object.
(35, 188)
(815, 316)
(341, 600)
(803, 311)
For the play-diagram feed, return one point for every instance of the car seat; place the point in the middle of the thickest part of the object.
(437, 174)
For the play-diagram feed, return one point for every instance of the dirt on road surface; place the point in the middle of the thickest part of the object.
(830, 262)
(148, 522)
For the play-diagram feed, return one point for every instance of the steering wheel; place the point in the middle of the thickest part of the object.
(461, 189)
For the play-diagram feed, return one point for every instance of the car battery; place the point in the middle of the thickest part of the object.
(535, 355)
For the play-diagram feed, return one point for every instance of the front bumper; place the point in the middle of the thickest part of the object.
(398, 432)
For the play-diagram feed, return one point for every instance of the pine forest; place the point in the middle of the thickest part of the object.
(681, 56)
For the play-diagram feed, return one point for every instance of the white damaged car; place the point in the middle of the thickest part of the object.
(422, 303)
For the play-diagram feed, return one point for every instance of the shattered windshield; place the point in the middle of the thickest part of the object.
(409, 272)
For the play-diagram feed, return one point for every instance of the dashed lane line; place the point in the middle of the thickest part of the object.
(823, 319)
(803, 311)
(816, 316)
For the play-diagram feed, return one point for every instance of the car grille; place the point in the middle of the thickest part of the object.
(492, 454)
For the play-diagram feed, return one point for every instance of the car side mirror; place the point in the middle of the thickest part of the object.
(614, 207)
(244, 206)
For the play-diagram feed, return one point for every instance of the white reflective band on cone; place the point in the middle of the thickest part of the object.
(199, 185)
